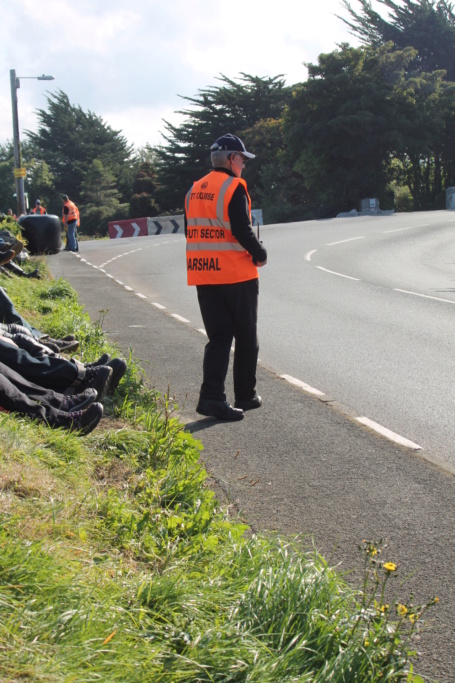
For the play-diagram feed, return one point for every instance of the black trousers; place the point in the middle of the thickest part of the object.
(230, 312)
(53, 372)
(31, 400)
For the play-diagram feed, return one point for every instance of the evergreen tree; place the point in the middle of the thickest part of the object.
(100, 200)
(341, 127)
(143, 202)
(233, 107)
(7, 181)
(69, 140)
(426, 25)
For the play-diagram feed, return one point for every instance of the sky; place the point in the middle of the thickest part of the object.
(132, 62)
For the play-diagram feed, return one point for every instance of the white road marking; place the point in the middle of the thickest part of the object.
(293, 380)
(388, 433)
(351, 239)
(309, 254)
(411, 228)
(425, 296)
(348, 277)
(302, 385)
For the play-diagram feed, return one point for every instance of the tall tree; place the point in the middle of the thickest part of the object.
(100, 199)
(70, 139)
(426, 25)
(341, 126)
(233, 107)
(7, 182)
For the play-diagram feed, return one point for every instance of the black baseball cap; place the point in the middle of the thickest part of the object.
(231, 143)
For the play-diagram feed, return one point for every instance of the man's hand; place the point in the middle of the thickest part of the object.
(261, 263)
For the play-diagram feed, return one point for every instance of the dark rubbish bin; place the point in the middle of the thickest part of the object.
(42, 232)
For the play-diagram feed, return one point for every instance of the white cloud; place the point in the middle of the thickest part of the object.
(129, 62)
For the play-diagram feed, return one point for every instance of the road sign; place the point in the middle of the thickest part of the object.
(20, 172)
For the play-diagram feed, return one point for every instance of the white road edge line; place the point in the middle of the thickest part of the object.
(202, 331)
(162, 308)
(309, 254)
(348, 277)
(425, 296)
(179, 317)
(141, 296)
(351, 239)
(388, 433)
(128, 289)
(302, 385)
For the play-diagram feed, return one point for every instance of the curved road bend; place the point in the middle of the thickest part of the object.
(364, 316)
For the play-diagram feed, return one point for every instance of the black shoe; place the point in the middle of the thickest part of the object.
(81, 401)
(102, 360)
(96, 378)
(59, 345)
(35, 273)
(50, 345)
(118, 366)
(85, 421)
(68, 338)
(255, 402)
(220, 409)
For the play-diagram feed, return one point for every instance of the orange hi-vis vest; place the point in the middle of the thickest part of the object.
(39, 209)
(73, 212)
(213, 255)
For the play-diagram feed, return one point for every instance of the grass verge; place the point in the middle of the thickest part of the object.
(117, 563)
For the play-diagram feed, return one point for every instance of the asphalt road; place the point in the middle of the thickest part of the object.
(304, 463)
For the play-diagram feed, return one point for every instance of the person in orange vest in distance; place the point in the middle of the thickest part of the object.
(71, 221)
(222, 258)
(38, 208)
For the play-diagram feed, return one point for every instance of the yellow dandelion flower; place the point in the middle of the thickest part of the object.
(366, 642)
(390, 566)
(384, 608)
(413, 618)
(402, 610)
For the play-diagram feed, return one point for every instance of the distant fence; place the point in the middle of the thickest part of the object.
(141, 227)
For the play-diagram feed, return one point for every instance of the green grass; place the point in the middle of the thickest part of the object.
(117, 562)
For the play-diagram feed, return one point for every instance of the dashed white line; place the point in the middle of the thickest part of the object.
(388, 433)
(302, 385)
(351, 239)
(425, 296)
(348, 277)
(293, 380)
(413, 227)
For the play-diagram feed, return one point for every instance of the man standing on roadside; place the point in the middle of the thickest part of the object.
(222, 256)
(71, 221)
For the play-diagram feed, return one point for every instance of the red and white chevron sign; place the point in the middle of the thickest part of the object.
(134, 227)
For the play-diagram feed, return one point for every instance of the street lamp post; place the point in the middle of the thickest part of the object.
(19, 171)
